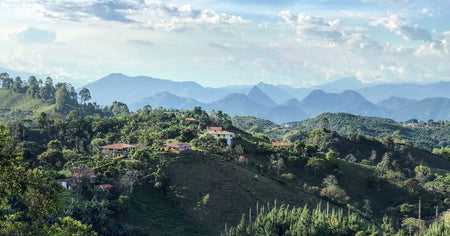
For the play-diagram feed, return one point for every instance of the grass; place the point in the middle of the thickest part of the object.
(215, 192)
(151, 213)
(20, 106)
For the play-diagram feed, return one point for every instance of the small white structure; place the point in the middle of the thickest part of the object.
(223, 134)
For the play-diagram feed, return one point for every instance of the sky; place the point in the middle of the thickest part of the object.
(229, 42)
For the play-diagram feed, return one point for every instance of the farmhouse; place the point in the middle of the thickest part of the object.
(177, 147)
(213, 129)
(223, 134)
(118, 149)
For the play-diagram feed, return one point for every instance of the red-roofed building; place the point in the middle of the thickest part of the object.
(213, 129)
(190, 119)
(177, 147)
(223, 134)
(106, 186)
(283, 144)
(118, 149)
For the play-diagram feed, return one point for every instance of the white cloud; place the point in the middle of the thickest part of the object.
(331, 31)
(174, 17)
(400, 26)
(34, 35)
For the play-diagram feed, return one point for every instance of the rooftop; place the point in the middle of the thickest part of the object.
(118, 146)
(223, 133)
(177, 145)
(107, 186)
(214, 128)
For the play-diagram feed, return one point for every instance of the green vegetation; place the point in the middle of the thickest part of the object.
(430, 134)
(284, 220)
(360, 177)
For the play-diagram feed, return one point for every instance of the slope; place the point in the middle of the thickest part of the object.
(19, 106)
(231, 191)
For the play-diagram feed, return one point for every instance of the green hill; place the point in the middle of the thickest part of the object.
(15, 106)
(436, 135)
(215, 192)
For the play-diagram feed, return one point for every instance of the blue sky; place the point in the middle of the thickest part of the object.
(220, 43)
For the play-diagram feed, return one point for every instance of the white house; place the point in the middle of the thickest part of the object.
(223, 134)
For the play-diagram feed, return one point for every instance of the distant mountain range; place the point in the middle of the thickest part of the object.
(281, 103)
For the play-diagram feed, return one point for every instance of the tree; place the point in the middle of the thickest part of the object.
(70, 227)
(147, 108)
(130, 177)
(324, 123)
(17, 85)
(350, 158)
(3, 76)
(373, 156)
(299, 147)
(118, 108)
(41, 120)
(329, 180)
(54, 145)
(7, 83)
(187, 134)
(26, 195)
(279, 164)
(47, 91)
(33, 81)
(85, 95)
(331, 156)
(33, 91)
(62, 97)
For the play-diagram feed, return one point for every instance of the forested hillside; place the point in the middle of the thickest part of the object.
(61, 176)
(213, 184)
(423, 134)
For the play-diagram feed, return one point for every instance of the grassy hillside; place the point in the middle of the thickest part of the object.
(151, 213)
(215, 192)
(15, 106)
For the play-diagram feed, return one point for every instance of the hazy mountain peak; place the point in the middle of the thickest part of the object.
(259, 96)
(291, 102)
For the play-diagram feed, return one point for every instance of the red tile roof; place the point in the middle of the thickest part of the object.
(119, 146)
(190, 119)
(282, 144)
(107, 186)
(214, 128)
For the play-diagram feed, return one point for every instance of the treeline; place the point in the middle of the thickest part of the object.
(63, 95)
(285, 220)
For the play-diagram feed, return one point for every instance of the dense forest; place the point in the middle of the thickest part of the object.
(304, 180)
(424, 134)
